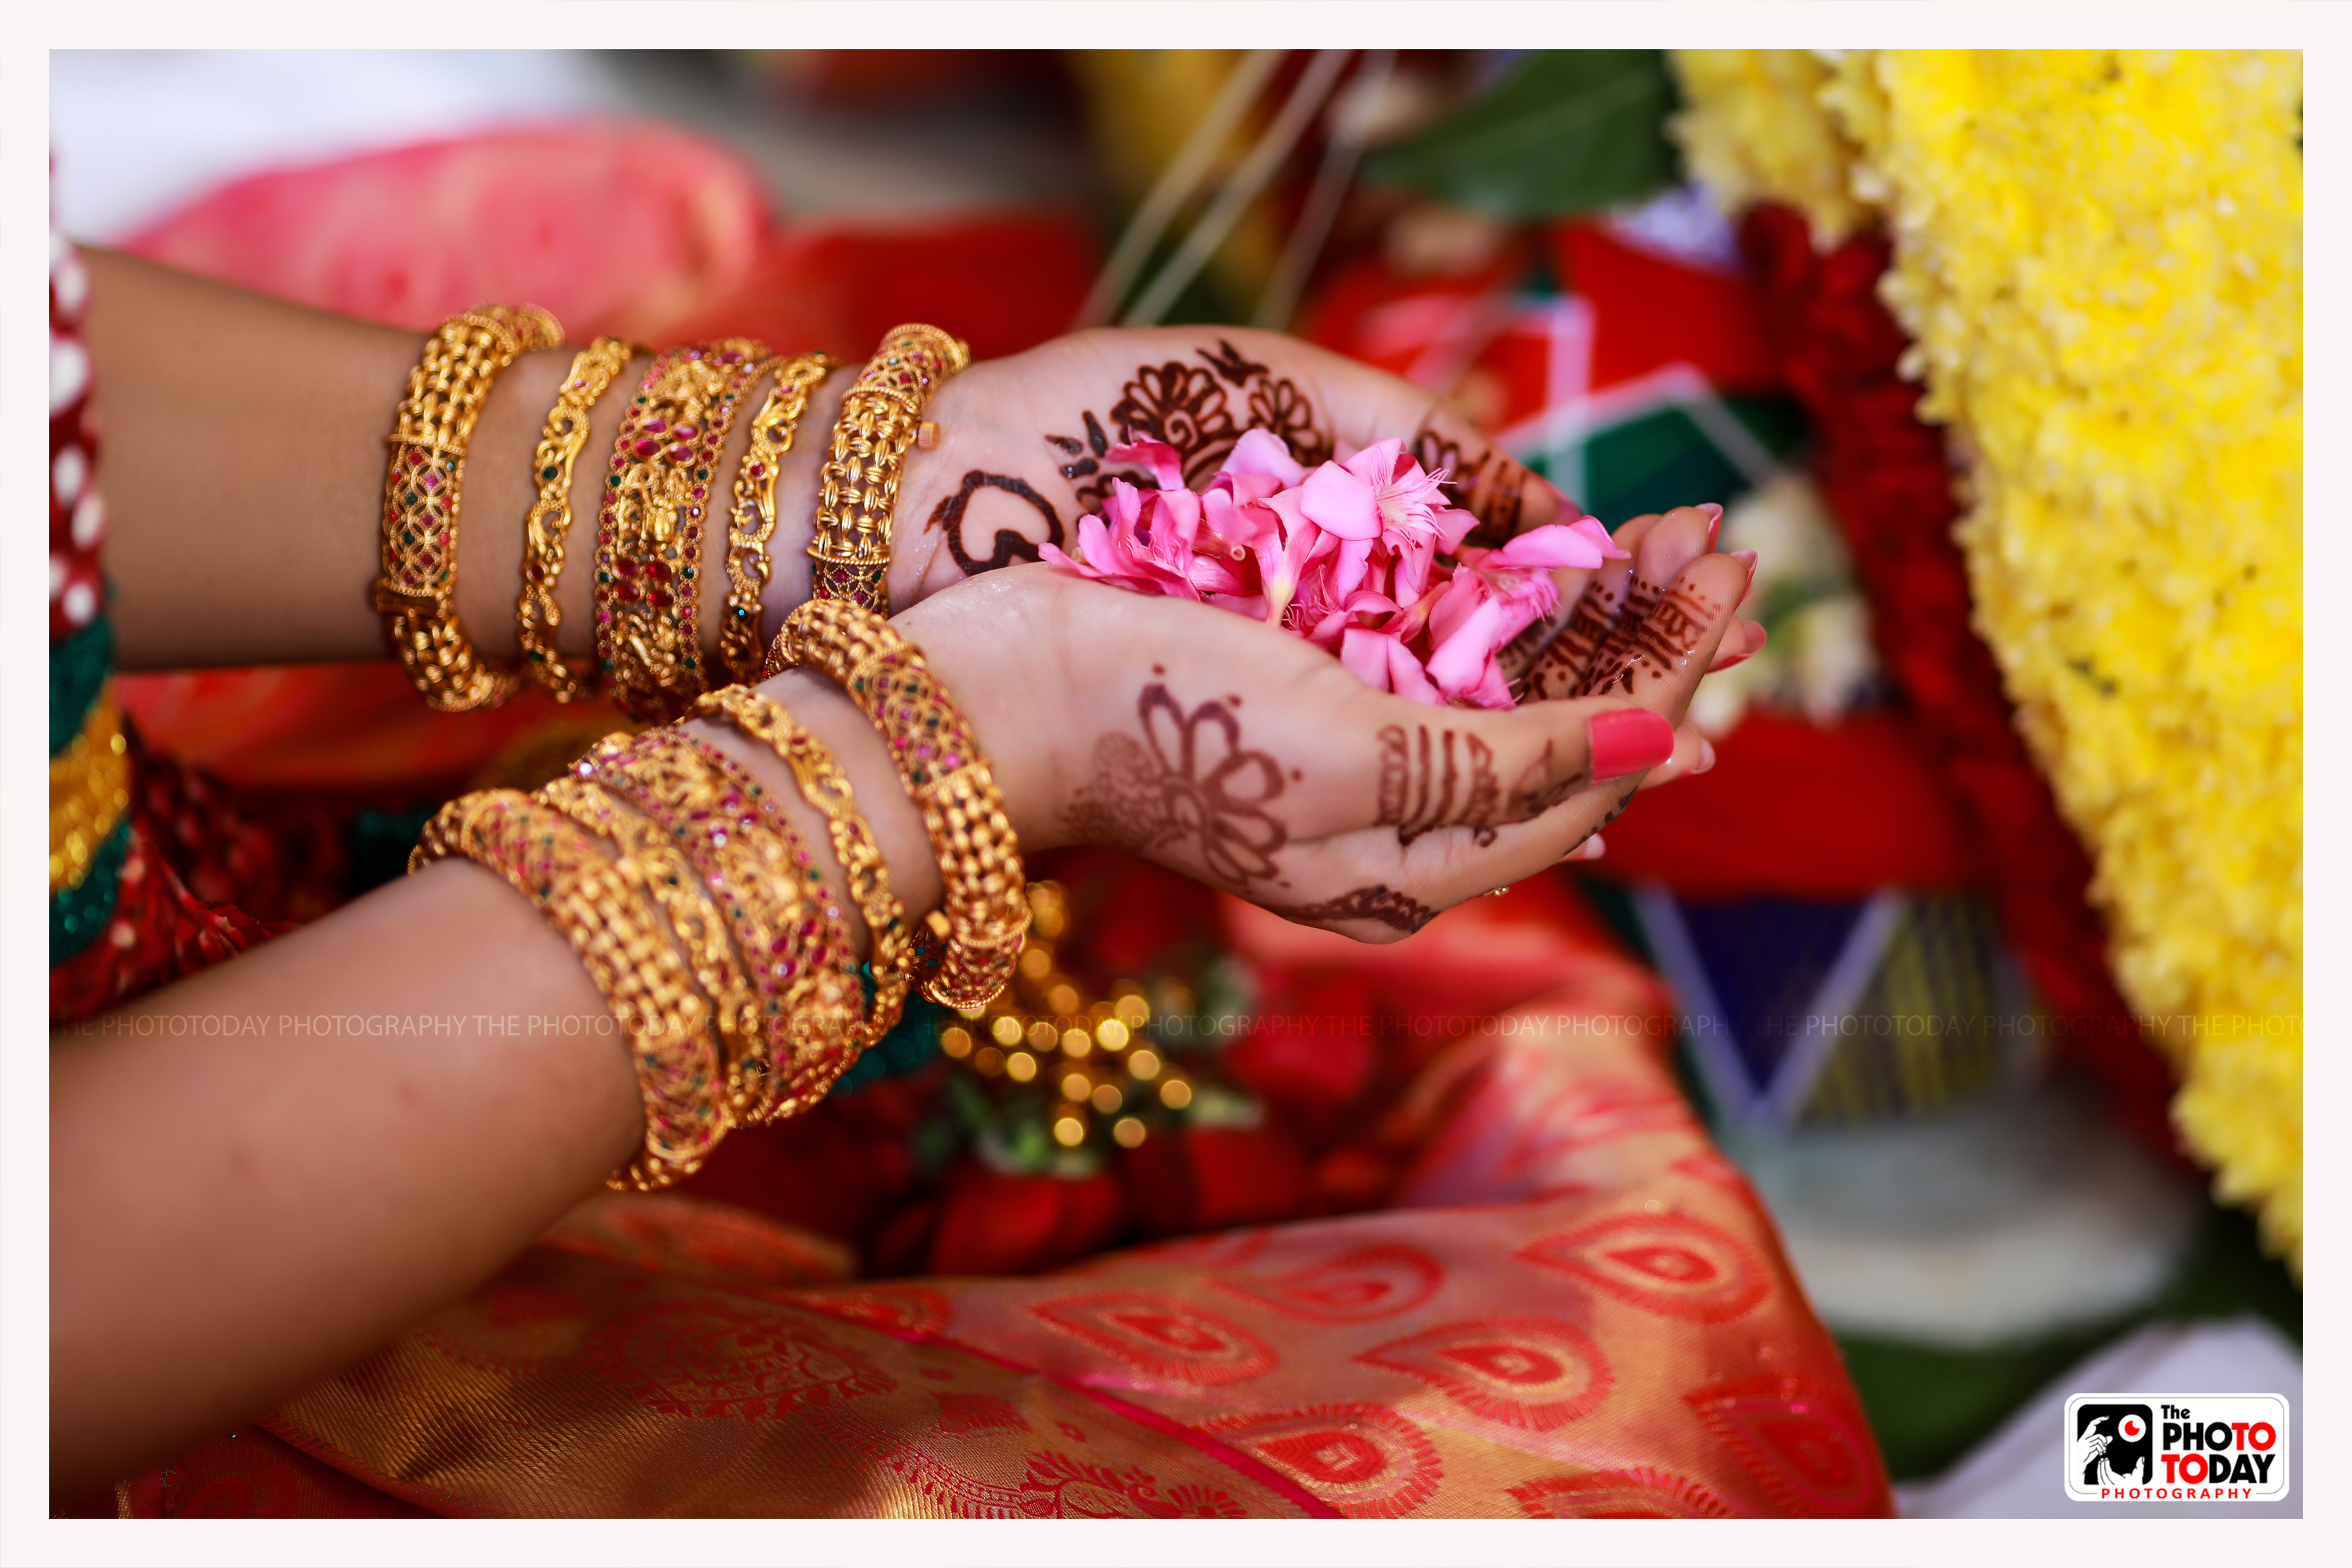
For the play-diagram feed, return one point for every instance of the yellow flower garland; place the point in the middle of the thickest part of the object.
(2099, 256)
(1754, 129)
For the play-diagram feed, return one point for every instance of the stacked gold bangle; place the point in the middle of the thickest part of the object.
(600, 904)
(827, 788)
(658, 498)
(985, 916)
(696, 905)
(417, 589)
(548, 527)
(753, 521)
(859, 489)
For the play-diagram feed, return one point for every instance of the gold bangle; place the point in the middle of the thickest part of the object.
(649, 529)
(859, 491)
(753, 522)
(782, 914)
(828, 789)
(601, 905)
(549, 524)
(985, 915)
(418, 588)
(694, 920)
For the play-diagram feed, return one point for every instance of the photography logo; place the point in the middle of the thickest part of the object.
(2176, 1448)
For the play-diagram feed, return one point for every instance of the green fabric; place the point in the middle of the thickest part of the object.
(1570, 132)
(1661, 459)
(77, 670)
(77, 914)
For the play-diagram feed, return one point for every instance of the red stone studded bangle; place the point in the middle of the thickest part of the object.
(659, 494)
(416, 590)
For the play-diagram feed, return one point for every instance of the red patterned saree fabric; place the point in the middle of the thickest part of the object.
(1577, 1308)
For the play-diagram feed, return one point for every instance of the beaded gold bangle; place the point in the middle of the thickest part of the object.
(649, 529)
(772, 894)
(418, 588)
(859, 489)
(693, 914)
(549, 524)
(600, 904)
(827, 788)
(753, 522)
(985, 915)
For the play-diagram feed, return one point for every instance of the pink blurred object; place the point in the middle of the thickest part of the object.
(622, 226)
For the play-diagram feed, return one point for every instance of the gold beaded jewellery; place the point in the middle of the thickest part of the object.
(859, 489)
(601, 906)
(827, 788)
(694, 917)
(649, 531)
(753, 522)
(549, 524)
(416, 590)
(985, 916)
(773, 895)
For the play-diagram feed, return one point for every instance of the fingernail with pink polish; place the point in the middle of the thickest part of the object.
(1629, 741)
(1705, 755)
(1590, 849)
(1746, 558)
(1714, 523)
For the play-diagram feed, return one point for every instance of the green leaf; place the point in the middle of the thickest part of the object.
(1570, 132)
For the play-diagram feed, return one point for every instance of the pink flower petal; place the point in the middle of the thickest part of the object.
(1593, 529)
(1340, 502)
(1158, 456)
(1550, 546)
(1261, 451)
(1458, 661)
(1366, 655)
(1407, 679)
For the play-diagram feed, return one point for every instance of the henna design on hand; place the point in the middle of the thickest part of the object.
(1189, 408)
(1190, 782)
(1087, 472)
(1658, 643)
(1381, 903)
(1418, 780)
(1562, 669)
(1538, 791)
(1491, 487)
(1008, 545)
(1184, 405)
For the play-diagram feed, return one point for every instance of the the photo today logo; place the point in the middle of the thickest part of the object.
(2176, 1448)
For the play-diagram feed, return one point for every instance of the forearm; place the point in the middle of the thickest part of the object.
(244, 471)
(306, 1150)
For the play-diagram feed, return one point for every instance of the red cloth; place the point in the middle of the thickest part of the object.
(1802, 811)
(1888, 482)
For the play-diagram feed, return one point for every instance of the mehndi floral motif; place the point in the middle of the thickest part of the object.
(1190, 782)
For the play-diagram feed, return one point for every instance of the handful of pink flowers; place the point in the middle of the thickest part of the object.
(1363, 558)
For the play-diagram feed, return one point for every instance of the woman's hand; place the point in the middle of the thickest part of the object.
(1255, 762)
(1025, 445)
(1025, 441)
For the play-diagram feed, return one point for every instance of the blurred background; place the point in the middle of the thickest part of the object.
(1862, 944)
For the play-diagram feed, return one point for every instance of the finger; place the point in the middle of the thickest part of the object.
(1679, 538)
(1694, 753)
(1668, 660)
(1588, 622)
(1743, 642)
